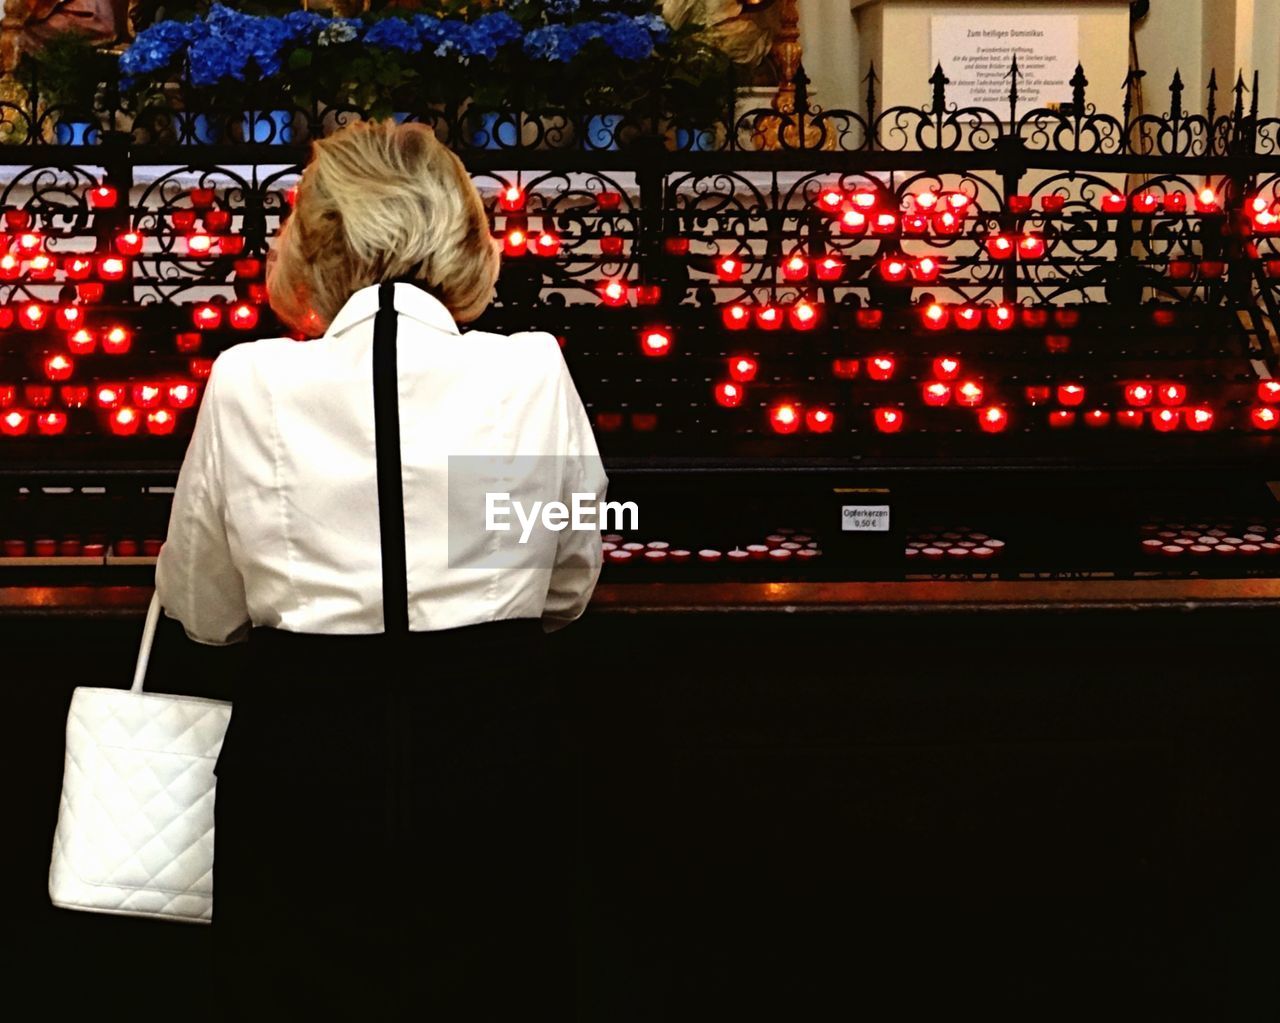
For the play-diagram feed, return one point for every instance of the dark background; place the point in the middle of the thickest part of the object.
(1031, 814)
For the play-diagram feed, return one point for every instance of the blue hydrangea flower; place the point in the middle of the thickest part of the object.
(556, 43)
(490, 33)
(394, 34)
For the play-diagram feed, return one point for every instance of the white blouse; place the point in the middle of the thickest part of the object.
(275, 516)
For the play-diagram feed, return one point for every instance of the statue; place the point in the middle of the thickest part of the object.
(746, 38)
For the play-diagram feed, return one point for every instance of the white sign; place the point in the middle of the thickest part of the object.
(864, 518)
(977, 50)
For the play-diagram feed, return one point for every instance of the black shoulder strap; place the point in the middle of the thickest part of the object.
(386, 423)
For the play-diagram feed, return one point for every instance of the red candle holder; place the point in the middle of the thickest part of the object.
(129, 243)
(1097, 418)
(853, 222)
(894, 269)
(117, 340)
(1212, 269)
(124, 422)
(846, 369)
(829, 268)
(1113, 202)
(199, 245)
(946, 367)
(58, 367)
(888, 420)
(51, 424)
(935, 316)
(160, 422)
(743, 368)
(729, 394)
(936, 394)
(1175, 202)
(655, 342)
(785, 418)
(76, 268)
(869, 319)
(968, 317)
(1166, 420)
(884, 223)
(1019, 204)
(68, 317)
(10, 267)
(1037, 394)
(42, 267)
(104, 197)
(1264, 417)
(1172, 393)
(1000, 246)
(819, 420)
(1199, 418)
(969, 394)
(1139, 394)
(925, 269)
(112, 268)
(1053, 202)
(736, 316)
(1070, 395)
(613, 292)
(147, 396)
(202, 198)
(946, 223)
(1031, 247)
(1269, 392)
(611, 245)
(1061, 419)
(1181, 269)
(768, 317)
(993, 419)
(609, 200)
(33, 315)
(37, 395)
(1207, 201)
(915, 224)
(795, 268)
(881, 367)
(74, 395)
(182, 395)
(831, 200)
(729, 268)
(1146, 203)
(803, 315)
(648, 294)
(1001, 316)
(216, 221)
(15, 422)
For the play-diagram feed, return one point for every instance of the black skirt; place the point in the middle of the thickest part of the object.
(394, 830)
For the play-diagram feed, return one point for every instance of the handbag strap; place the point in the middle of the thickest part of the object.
(148, 637)
(386, 423)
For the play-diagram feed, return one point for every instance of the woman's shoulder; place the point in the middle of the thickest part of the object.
(524, 350)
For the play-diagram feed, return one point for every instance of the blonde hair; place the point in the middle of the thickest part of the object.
(378, 202)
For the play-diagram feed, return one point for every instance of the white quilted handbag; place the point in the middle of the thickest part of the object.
(135, 823)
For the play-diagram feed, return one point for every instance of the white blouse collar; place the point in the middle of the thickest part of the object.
(411, 301)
